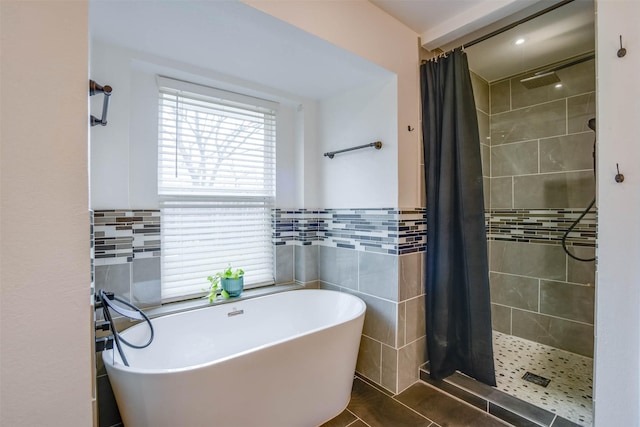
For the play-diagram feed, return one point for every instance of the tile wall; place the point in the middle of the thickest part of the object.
(538, 166)
(127, 254)
(376, 254)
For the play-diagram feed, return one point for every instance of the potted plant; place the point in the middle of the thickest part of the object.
(232, 281)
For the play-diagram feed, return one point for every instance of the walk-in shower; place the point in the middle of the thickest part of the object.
(535, 104)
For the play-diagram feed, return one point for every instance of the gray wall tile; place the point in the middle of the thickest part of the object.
(338, 266)
(401, 336)
(500, 97)
(284, 264)
(501, 318)
(484, 128)
(329, 286)
(565, 334)
(389, 369)
(561, 299)
(415, 319)
(410, 280)
(580, 109)
(486, 192)
(380, 320)
(480, 92)
(146, 288)
(577, 79)
(567, 153)
(378, 275)
(554, 190)
(514, 159)
(115, 278)
(514, 291)
(528, 259)
(538, 121)
(410, 358)
(579, 271)
(306, 263)
(502, 193)
(485, 155)
(369, 355)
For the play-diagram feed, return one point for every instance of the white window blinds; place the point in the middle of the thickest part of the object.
(216, 184)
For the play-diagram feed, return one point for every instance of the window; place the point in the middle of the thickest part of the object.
(216, 185)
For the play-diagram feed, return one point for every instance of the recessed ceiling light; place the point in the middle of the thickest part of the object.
(519, 41)
(558, 85)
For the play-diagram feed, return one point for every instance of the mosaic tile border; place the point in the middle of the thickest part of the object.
(542, 226)
(122, 235)
(384, 230)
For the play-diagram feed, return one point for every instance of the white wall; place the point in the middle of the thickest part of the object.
(617, 356)
(45, 362)
(124, 153)
(365, 30)
(365, 178)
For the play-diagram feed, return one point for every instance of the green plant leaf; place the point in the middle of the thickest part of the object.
(225, 294)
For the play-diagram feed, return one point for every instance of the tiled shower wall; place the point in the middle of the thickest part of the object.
(376, 254)
(539, 168)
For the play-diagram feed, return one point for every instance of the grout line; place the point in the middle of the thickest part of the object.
(410, 408)
(539, 155)
(539, 293)
(513, 192)
(566, 115)
(510, 320)
(548, 315)
(356, 420)
(544, 174)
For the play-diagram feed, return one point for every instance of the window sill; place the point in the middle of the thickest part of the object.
(178, 307)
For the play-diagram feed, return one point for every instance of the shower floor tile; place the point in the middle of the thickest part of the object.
(569, 394)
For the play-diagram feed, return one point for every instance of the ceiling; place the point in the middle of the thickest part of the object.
(235, 39)
(566, 32)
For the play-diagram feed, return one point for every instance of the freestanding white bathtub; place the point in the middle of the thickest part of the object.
(285, 359)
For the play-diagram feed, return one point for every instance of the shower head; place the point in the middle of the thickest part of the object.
(592, 124)
(539, 80)
(549, 76)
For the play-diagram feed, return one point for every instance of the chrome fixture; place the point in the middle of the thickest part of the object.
(95, 88)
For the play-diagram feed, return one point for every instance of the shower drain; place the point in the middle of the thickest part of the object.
(536, 379)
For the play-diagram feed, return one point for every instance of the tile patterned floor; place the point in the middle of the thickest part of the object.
(569, 394)
(419, 406)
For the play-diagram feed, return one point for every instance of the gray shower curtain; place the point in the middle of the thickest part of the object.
(458, 311)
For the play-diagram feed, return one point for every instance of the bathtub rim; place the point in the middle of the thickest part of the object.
(155, 371)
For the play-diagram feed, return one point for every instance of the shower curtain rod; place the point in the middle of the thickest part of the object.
(503, 29)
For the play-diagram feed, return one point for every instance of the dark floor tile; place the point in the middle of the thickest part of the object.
(108, 414)
(511, 417)
(358, 423)
(344, 419)
(563, 422)
(512, 404)
(379, 410)
(443, 409)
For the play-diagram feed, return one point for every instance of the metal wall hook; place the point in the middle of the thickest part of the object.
(619, 177)
(95, 88)
(622, 51)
